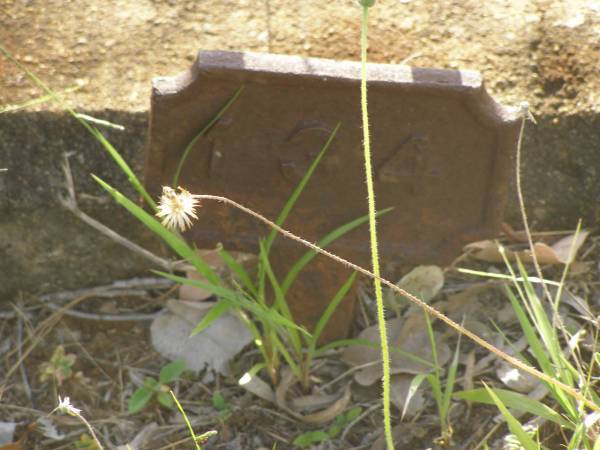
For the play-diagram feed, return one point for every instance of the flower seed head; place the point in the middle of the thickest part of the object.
(176, 208)
(64, 406)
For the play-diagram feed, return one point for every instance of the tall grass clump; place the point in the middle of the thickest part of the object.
(556, 352)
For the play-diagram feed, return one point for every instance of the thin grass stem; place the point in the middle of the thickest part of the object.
(385, 352)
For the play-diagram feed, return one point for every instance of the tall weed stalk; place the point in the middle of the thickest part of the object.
(385, 352)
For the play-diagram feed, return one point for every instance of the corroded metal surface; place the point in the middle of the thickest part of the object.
(441, 147)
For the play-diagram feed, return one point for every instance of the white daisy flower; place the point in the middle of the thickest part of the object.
(64, 406)
(175, 209)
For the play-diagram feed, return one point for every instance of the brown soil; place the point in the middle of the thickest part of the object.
(111, 356)
(542, 51)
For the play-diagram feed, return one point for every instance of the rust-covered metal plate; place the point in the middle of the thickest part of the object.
(441, 153)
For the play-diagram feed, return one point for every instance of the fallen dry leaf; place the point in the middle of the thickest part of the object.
(573, 243)
(543, 252)
(425, 282)
(310, 403)
(337, 403)
(328, 414)
(484, 251)
(558, 253)
(464, 302)
(416, 342)
(213, 348)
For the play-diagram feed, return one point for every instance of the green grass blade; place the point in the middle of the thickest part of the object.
(515, 401)
(577, 437)
(593, 395)
(298, 190)
(412, 390)
(261, 282)
(215, 312)
(172, 239)
(256, 335)
(435, 379)
(436, 388)
(530, 334)
(36, 101)
(215, 289)
(238, 270)
(268, 315)
(202, 132)
(328, 239)
(286, 355)
(431, 335)
(539, 318)
(513, 424)
(451, 378)
(195, 438)
(131, 177)
(538, 350)
(549, 336)
(372, 344)
(280, 302)
(563, 278)
(503, 276)
(331, 307)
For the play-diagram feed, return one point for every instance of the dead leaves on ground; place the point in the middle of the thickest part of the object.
(410, 356)
(562, 251)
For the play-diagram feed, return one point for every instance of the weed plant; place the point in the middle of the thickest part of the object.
(557, 353)
(442, 392)
(272, 325)
(158, 389)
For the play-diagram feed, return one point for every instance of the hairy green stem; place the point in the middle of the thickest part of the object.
(385, 352)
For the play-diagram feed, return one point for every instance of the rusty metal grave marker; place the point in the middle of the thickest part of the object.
(441, 146)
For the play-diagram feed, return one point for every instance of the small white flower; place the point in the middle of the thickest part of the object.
(64, 406)
(175, 209)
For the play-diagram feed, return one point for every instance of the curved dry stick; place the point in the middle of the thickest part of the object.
(429, 309)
